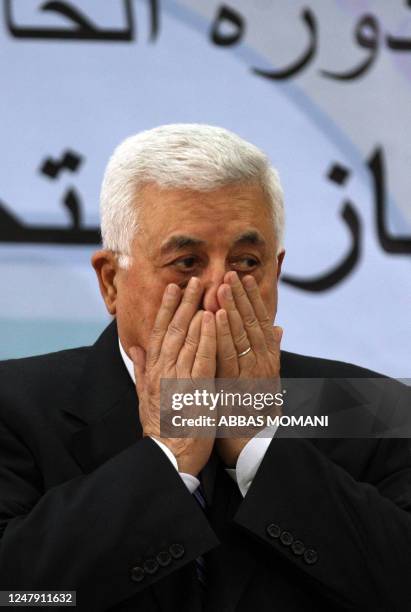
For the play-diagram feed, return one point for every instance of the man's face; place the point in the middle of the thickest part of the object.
(184, 233)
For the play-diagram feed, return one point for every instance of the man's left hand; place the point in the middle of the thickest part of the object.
(243, 324)
(248, 345)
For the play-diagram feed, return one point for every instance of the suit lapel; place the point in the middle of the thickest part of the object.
(105, 403)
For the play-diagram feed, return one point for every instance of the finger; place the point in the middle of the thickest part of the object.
(226, 351)
(168, 307)
(179, 324)
(205, 360)
(188, 352)
(244, 307)
(266, 324)
(278, 335)
(276, 351)
(138, 357)
(238, 333)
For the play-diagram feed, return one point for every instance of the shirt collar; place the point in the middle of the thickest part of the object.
(127, 362)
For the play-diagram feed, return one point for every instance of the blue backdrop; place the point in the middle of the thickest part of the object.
(322, 86)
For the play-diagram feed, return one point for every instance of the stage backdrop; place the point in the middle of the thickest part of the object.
(322, 86)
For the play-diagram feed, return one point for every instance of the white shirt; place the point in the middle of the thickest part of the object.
(248, 461)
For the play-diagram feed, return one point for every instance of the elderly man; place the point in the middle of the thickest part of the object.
(94, 499)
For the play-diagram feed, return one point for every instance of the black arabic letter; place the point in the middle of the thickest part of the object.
(84, 30)
(69, 160)
(227, 15)
(341, 270)
(299, 64)
(72, 203)
(12, 230)
(338, 174)
(155, 19)
(74, 15)
(387, 242)
(399, 44)
(367, 34)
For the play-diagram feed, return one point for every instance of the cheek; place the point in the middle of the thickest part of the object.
(146, 298)
(137, 299)
(269, 297)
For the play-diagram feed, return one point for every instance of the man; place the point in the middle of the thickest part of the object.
(94, 499)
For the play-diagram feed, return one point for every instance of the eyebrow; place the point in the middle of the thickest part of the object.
(250, 237)
(180, 241)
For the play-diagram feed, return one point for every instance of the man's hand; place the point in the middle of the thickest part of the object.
(242, 324)
(182, 345)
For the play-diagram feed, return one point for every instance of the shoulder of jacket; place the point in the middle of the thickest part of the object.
(295, 364)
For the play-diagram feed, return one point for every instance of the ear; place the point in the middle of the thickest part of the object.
(106, 267)
(280, 259)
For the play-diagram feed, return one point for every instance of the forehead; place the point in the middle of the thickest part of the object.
(218, 215)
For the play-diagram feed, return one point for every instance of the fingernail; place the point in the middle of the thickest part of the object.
(222, 316)
(249, 282)
(194, 282)
(173, 290)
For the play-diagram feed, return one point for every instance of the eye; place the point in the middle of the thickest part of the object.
(245, 264)
(186, 264)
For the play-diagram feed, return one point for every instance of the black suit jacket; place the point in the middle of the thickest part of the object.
(84, 499)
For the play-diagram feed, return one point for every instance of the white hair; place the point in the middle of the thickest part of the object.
(194, 156)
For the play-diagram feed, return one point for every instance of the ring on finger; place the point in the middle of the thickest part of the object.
(247, 350)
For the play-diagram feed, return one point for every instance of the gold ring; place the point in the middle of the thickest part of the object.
(244, 352)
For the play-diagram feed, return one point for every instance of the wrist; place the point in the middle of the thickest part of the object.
(186, 465)
(229, 450)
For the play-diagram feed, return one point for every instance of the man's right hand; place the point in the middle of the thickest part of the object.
(182, 345)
